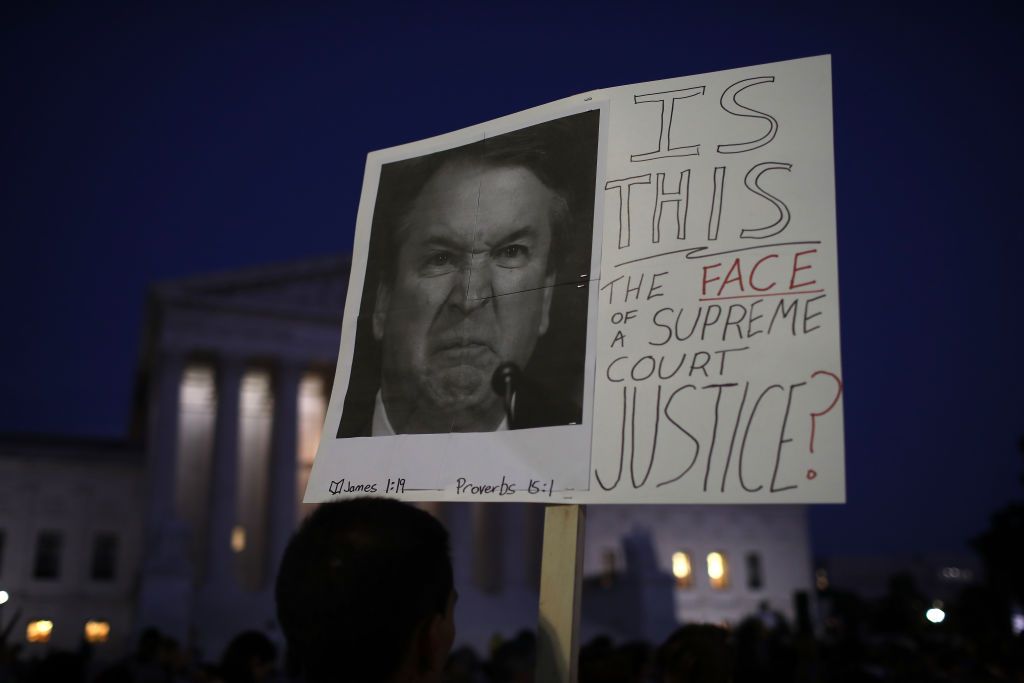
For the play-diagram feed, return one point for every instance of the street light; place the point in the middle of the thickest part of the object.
(4, 597)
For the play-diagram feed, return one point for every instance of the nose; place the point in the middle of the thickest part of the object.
(474, 288)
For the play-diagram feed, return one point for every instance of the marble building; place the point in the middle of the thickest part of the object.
(233, 383)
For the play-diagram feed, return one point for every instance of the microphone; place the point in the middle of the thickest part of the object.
(504, 380)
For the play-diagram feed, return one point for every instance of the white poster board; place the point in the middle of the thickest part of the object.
(656, 263)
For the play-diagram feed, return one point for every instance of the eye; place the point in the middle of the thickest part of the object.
(437, 263)
(512, 255)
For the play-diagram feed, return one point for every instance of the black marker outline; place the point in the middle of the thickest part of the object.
(698, 252)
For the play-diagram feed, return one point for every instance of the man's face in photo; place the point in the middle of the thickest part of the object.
(471, 290)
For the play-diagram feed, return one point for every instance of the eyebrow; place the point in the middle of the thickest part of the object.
(453, 244)
(442, 241)
(525, 232)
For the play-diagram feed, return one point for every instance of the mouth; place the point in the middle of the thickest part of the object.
(465, 352)
(463, 343)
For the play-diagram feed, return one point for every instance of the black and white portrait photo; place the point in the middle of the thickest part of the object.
(473, 314)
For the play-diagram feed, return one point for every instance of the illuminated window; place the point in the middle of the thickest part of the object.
(821, 579)
(682, 569)
(238, 539)
(48, 550)
(39, 631)
(718, 570)
(97, 631)
(104, 557)
(754, 579)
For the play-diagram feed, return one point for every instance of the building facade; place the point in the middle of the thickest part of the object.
(70, 540)
(233, 385)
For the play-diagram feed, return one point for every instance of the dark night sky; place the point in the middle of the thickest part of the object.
(143, 144)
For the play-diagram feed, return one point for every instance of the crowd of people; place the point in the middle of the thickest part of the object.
(696, 653)
(350, 614)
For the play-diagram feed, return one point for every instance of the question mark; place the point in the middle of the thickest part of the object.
(815, 416)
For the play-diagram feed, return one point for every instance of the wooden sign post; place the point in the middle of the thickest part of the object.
(561, 578)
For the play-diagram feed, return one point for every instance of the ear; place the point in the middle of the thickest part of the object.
(433, 642)
(549, 291)
(431, 647)
(380, 309)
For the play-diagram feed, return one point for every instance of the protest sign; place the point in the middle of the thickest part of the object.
(630, 295)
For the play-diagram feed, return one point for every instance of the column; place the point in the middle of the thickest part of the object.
(283, 464)
(165, 582)
(162, 440)
(459, 521)
(488, 542)
(223, 510)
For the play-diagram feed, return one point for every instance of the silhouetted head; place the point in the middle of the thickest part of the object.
(697, 653)
(365, 593)
(249, 658)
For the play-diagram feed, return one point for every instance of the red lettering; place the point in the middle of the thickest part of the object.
(734, 275)
(705, 281)
(793, 284)
(753, 272)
